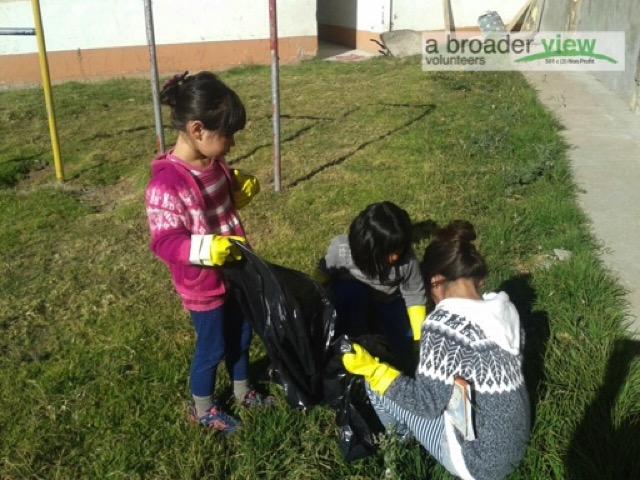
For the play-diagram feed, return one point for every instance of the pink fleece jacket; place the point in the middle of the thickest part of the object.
(176, 210)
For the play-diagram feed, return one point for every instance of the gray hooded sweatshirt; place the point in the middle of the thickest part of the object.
(479, 340)
(404, 280)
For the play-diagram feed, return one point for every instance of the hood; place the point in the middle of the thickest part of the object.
(160, 163)
(495, 314)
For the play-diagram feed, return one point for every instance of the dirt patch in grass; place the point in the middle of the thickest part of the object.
(101, 198)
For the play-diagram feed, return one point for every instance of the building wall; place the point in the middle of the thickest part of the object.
(429, 14)
(603, 15)
(621, 15)
(101, 38)
(355, 22)
(556, 15)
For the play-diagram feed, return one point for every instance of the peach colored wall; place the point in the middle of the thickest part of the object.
(24, 69)
(90, 39)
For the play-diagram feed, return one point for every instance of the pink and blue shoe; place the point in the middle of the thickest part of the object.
(257, 399)
(214, 418)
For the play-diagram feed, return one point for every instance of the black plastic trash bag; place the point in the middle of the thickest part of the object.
(294, 318)
(357, 420)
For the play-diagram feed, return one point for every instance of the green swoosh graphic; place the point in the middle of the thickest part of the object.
(542, 55)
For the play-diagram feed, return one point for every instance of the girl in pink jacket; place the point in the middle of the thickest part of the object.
(192, 200)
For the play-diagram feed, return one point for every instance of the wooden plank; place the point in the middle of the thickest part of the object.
(449, 24)
(520, 16)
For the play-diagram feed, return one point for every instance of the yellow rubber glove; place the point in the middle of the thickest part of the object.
(378, 374)
(320, 277)
(417, 314)
(222, 249)
(244, 189)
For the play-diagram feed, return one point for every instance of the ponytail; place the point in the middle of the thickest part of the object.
(453, 255)
(203, 97)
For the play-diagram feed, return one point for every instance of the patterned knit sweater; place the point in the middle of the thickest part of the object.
(480, 341)
(183, 202)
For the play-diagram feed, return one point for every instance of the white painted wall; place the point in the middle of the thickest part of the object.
(371, 15)
(87, 24)
(429, 14)
(374, 15)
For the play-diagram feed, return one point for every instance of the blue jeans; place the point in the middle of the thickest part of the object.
(360, 313)
(222, 333)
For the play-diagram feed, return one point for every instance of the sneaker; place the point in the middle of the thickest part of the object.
(215, 419)
(256, 399)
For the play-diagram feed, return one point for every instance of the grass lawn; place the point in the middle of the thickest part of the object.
(94, 346)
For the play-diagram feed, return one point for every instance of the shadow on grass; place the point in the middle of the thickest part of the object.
(599, 448)
(536, 333)
(332, 163)
(103, 135)
(296, 134)
(256, 149)
(259, 375)
(260, 370)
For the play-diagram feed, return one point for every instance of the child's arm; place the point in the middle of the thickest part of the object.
(330, 262)
(417, 314)
(171, 239)
(414, 294)
(214, 250)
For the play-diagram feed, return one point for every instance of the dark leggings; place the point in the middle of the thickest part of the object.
(359, 313)
(222, 333)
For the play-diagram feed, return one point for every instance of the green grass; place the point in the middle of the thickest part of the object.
(94, 346)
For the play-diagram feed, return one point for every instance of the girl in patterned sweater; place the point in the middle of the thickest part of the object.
(192, 200)
(476, 337)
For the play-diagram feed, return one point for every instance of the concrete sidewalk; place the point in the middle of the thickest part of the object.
(605, 156)
(339, 53)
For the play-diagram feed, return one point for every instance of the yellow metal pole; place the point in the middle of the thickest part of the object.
(46, 85)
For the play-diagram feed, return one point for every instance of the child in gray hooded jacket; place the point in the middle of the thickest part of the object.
(374, 277)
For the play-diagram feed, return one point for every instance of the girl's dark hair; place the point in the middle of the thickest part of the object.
(452, 255)
(206, 98)
(378, 231)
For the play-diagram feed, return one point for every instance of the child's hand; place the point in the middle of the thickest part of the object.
(223, 249)
(360, 362)
(245, 188)
(417, 314)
